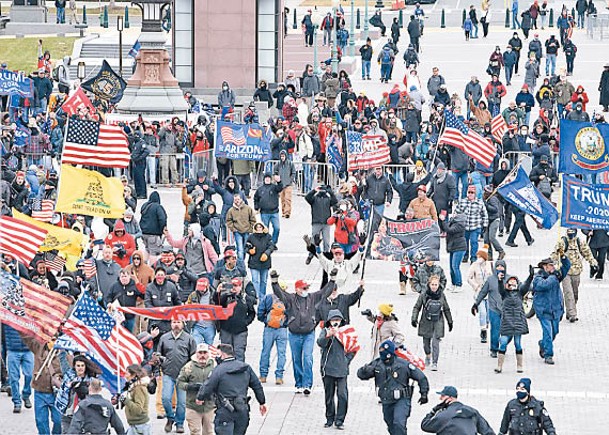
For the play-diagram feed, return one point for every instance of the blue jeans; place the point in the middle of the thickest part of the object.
(308, 172)
(169, 385)
(515, 22)
(366, 68)
(44, 404)
(259, 277)
(203, 334)
(61, 15)
(504, 340)
(509, 70)
(301, 346)
(379, 209)
(240, 239)
(495, 320)
(17, 363)
(455, 267)
(471, 238)
(460, 178)
(385, 71)
(549, 328)
(483, 313)
(268, 219)
(278, 337)
(475, 31)
(550, 64)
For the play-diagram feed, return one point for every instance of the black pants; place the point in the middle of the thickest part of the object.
(309, 37)
(517, 53)
(506, 216)
(139, 178)
(223, 171)
(396, 416)
(415, 43)
(600, 254)
(336, 386)
(246, 183)
(231, 423)
(520, 224)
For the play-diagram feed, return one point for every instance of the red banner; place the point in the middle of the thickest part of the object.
(193, 312)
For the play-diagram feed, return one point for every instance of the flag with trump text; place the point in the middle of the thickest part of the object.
(111, 346)
(90, 143)
(408, 241)
(31, 308)
(190, 312)
(20, 239)
(76, 102)
(62, 239)
(584, 205)
(365, 151)
(457, 134)
(86, 192)
(242, 141)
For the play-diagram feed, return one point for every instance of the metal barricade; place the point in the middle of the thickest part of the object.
(308, 175)
(205, 161)
(598, 26)
(166, 175)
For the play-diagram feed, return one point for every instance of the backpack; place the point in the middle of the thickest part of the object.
(55, 73)
(433, 309)
(276, 316)
(386, 57)
(565, 241)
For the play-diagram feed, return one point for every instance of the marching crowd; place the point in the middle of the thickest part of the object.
(223, 255)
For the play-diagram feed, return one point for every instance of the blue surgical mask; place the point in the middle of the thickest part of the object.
(304, 294)
(521, 395)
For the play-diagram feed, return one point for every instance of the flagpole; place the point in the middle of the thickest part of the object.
(506, 177)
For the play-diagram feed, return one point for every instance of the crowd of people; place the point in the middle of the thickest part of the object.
(223, 254)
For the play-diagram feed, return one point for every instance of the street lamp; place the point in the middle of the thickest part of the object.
(120, 25)
(81, 71)
(152, 14)
(352, 34)
(366, 20)
(315, 21)
(335, 4)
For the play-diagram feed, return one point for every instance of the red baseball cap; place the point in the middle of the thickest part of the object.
(236, 281)
(301, 284)
(230, 253)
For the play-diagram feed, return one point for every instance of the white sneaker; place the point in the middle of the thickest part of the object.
(299, 390)
(434, 367)
(457, 289)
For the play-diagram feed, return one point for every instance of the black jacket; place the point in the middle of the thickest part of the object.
(301, 310)
(231, 380)
(528, 418)
(321, 202)
(154, 217)
(443, 193)
(455, 233)
(407, 191)
(378, 190)
(334, 361)
(513, 319)
(342, 303)
(259, 243)
(126, 295)
(266, 198)
(244, 313)
(493, 208)
(456, 419)
(186, 282)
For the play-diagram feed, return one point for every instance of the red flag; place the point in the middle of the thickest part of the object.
(348, 338)
(191, 312)
(30, 308)
(20, 239)
(498, 127)
(75, 101)
(411, 358)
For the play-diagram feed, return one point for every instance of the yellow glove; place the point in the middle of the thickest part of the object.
(264, 257)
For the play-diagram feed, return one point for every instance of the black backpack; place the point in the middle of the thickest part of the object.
(433, 309)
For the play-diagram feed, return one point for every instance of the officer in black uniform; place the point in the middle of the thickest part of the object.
(392, 377)
(525, 415)
(229, 383)
(95, 413)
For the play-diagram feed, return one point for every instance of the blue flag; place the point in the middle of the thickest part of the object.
(107, 84)
(12, 83)
(584, 205)
(521, 193)
(23, 136)
(135, 49)
(242, 141)
(584, 147)
(333, 154)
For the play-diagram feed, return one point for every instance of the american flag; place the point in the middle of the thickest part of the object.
(467, 140)
(348, 338)
(232, 135)
(90, 268)
(20, 239)
(109, 344)
(43, 210)
(411, 358)
(54, 261)
(498, 127)
(366, 151)
(91, 143)
(30, 308)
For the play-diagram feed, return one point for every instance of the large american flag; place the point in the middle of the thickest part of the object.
(43, 210)
(31, 308)
(109, 344)
(232, 135)
(467, 140)
(20, 239)
(498, 127)
(348, 338)
(366, 151)
(91, 143)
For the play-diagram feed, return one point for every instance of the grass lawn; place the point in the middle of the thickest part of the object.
(21, 54)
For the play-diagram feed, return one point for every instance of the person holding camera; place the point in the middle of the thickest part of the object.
(95, 413)
(126, 293)
(451, 416)
(392, 377)
(74, 388)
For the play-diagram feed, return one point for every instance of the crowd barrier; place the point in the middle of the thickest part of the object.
(597, 26)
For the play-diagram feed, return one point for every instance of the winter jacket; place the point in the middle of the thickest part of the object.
(192, 376)
(422, 275)
(154, 217)
(199, 253)
(256, 245)
(342, 302)
(434, 83)
(263, 95)
(125, 243)
(378, 190)
(576, 250)
(321, 202)
(226, 98)
(107, 275)
(286, 170)
(127, 295)
(455, 233)
(187, 280)
(197, 297)
(429, 328)
(526, 418)
(385, 328)
(513, 319)
(13, 340)
(177, 352)
(407, 191)
(227, 193)
(244, 312)
(52, 371)
(563, 91)
(491, 289)
(334, 360)
(310, 85)
(301, 310)
(266, 198)
(424, 208)
(136, 403)
(494, 208)
(456, 419)
(443, 190)
(241, 220)
(94, 413)
(475, 90)
(494, 91)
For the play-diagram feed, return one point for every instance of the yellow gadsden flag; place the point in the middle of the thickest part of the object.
(62, 239)
(90, 193)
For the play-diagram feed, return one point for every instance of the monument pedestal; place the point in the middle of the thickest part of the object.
(28, 14)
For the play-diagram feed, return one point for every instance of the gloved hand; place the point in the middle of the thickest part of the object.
(367, 312)
(333, 274)
(450, 327)
(264, 257)
(414, 323)
(274, 276)
(474, 309)
(423, 400)
(439, 406)
(531, 270)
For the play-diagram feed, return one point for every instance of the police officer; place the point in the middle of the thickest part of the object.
(229, 383)
(95, 413)
(391, 377)
(525, 415)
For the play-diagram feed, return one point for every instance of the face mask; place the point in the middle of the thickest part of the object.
(385, 355)
(500, 273)
(521, 395)
(571, 235)
(225, 88)
(304, 294)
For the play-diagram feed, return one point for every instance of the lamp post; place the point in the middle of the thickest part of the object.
(352, 34)
(152, 14)
(316, 23)
(335, 4)
(120, 25)
(366, 20)
(81, 71)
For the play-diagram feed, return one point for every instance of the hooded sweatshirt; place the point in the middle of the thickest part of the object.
(154, 216)
(334, 360)
(259, 243)
(125, 244)
(198, 251)
(491, 288)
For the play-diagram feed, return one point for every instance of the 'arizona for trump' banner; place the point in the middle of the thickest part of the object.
(193, 312)
(584, 205)
(242, 141)
(413, 240)
(366, 151)
(584, 147)
(90, 193)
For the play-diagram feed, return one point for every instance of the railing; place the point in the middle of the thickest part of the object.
(308, 175)
(598, 26)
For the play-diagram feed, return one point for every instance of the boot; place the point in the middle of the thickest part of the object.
(519, 362)
(500, 360)
(402, 288)
(483, 335)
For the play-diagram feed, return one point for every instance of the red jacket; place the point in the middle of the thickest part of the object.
(344, 226)
(126, 240)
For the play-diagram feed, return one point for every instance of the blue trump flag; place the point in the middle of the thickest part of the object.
(242, 141)
(521, 193)
(12, 83)
(333, 154)
(584, 147)
(23, 136)
(584, 205)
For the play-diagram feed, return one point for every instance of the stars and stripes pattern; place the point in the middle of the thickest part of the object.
(232, 135)
(90, 268)
(416, 360)
(20, 239)
(91, 143)
(498, 127)
(348, 338)
(54, 262)
(109, 344)
(467, 140)
(43, 210)
(366, 151)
